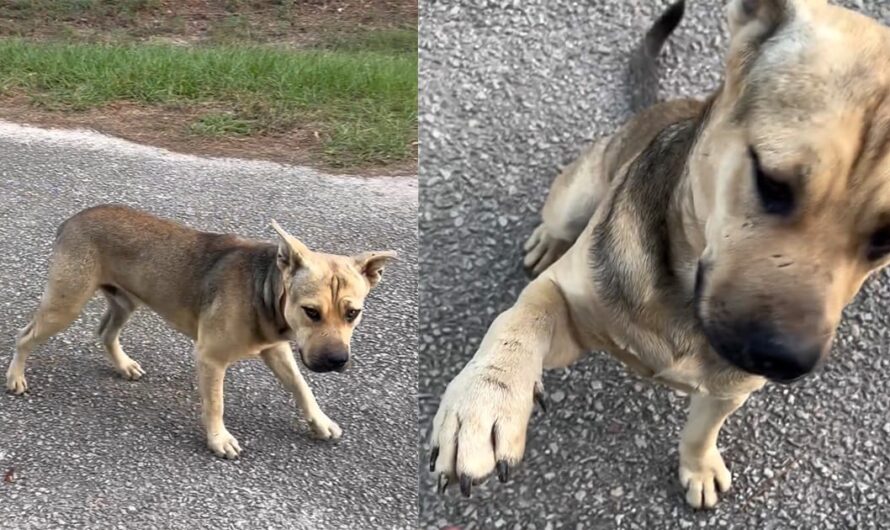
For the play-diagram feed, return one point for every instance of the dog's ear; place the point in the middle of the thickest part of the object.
(758, 19)
(754, 22)
(755, 17)
(371, 264)
(292, 254)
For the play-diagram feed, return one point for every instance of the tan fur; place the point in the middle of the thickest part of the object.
(813, 104)
(237, 298)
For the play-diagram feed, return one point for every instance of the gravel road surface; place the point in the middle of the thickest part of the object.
(510, 92)
(91, 450)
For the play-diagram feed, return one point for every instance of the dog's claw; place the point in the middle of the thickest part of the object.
(434, 455)
(539, 397)
(443, 483)
(466, 485)
(503, 471)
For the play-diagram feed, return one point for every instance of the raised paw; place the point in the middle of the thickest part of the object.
(16, 383)
(223, 444)
(480, 426)
(131, 370)
(324, 428)
(704, 477)
(542, 250)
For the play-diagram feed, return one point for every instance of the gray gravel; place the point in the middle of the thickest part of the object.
(91, 450)
(510, 91)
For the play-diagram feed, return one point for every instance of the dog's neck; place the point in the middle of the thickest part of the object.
(272, 299)
(694, 200)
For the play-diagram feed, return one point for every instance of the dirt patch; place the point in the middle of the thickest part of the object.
(170, 128)
(298, 22)
(290, 23)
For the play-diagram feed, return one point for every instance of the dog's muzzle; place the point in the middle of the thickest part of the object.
(332, 361)
(759, 346)
(760, 349)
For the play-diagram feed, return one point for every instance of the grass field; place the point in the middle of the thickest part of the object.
(350, 90)
(363, 102)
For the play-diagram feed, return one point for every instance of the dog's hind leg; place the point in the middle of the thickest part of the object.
(702, 471)
(280, 359)
(70, 286)
(571, 203)
(120, 306)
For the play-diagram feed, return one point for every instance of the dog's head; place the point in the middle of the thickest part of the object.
(324, 298)
(797, 213)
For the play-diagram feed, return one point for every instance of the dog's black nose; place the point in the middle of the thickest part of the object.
(759, 348)
(333, 361)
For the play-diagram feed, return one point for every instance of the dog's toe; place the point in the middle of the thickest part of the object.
(131, 370)
(224, 445)
(704, 478)
(479, 429)
(16, 384)
(542, 250)
(324, 428)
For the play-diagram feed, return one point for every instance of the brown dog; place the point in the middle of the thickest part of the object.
(708, 245)
(237, 298)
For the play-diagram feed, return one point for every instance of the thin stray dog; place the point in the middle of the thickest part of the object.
(711, 246)
(236, 298)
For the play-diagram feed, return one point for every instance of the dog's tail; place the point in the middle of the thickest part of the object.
(643, 74)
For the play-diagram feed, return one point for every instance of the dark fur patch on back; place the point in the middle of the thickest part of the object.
(642, 200)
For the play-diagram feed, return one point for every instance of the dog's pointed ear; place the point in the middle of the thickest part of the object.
(752, 23)
(371, 264)
(755, 16)
(292, 254)
(758, 19)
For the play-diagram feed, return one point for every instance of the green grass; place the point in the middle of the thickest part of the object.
(363, 102)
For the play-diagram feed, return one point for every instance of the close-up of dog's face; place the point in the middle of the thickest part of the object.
(325, 297)
(799, 213)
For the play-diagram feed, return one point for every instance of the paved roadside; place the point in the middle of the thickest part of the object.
(91, 450)
(510, 91)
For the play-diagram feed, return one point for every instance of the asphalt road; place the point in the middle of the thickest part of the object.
(510, 92)
(91, 450)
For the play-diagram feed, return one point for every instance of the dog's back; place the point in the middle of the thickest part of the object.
(161, 263)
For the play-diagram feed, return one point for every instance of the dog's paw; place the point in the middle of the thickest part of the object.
(131, 370)
(16, 383)
(542, 250)
(704, 477)
(223, 444)
(324, 428)
(481, 426)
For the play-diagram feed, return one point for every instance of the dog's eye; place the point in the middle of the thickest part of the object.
(777, 197)
(312, 313)
(879, 246)
(352, 314)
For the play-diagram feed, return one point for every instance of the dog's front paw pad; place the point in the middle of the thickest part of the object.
(324, 428)
(480, 428)
(131, 370)
(704, 478)
(542, 250)
(224, 445)
(16, 384)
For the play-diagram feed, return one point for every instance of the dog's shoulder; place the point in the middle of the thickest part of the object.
(652, 154)
(644, 127)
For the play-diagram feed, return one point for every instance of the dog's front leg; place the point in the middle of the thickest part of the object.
(211, 373)
(702, 471)
(483, 416)
(280, 359)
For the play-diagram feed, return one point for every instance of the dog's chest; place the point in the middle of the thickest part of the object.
(653, 359)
